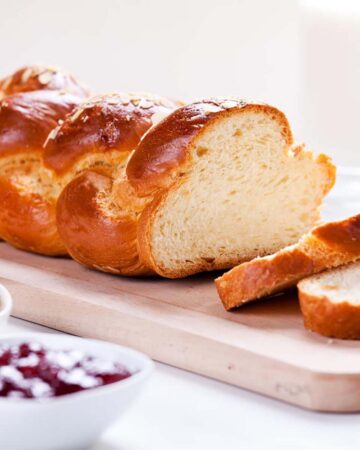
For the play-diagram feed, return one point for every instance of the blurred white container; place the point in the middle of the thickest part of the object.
(330, 77)
(72, 421)
(5, 305)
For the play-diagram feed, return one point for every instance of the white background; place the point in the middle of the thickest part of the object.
(303, 56)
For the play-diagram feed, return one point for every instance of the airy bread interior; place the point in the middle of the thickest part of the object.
(29, 175)
(337, 285)
(244, 193)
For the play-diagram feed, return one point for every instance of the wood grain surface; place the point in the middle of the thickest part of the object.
(262, 347)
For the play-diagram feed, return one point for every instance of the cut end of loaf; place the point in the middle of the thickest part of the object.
(330, 302)
(245, 191)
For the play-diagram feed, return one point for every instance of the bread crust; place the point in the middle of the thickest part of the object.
(160, 157)
(258, 278)
(328, 245)
(26, 119)
(96, 240)
(38, 78)
(157, 166)
(172, 136)
(103, 235)
(27, 221)
(334, 320)
(341, 236)
(102, 124)
(33, 100)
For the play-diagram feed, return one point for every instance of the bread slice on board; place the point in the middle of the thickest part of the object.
(326, 246)
(330, 302)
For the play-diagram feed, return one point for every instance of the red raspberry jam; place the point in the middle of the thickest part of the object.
(30, 370)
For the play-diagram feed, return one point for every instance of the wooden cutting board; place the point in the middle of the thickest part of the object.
(262, 347)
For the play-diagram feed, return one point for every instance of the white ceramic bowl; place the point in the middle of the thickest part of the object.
(72, 421)
(5, 305)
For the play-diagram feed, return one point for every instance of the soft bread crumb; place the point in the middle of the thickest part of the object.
(337, 285)
(28, 173)
(244, 194)
(334, 312)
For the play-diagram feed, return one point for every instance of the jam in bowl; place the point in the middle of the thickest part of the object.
(30, 370)
(63, 391)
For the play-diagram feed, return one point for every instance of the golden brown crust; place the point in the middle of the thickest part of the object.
(335, 320)
(260, 277)
(38, 78)
(102, 124)
(27, 221)
(94, 239)
(32, 101)
(326, 246)
(27, 119)
(159, 158)
(342, 236)
(105, 237)
(327, 163)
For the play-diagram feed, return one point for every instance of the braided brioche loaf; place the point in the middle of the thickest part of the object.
(215, 183)
(99, 134)
(97, 141)
(33, 100)
(39, 78)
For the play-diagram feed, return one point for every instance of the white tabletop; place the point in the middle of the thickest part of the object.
(180, 410)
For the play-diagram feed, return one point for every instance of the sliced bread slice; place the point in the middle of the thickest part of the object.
(329, 245)
(330, 302)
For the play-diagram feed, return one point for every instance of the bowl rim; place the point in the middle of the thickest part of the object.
(7, 301)
(138, 377)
